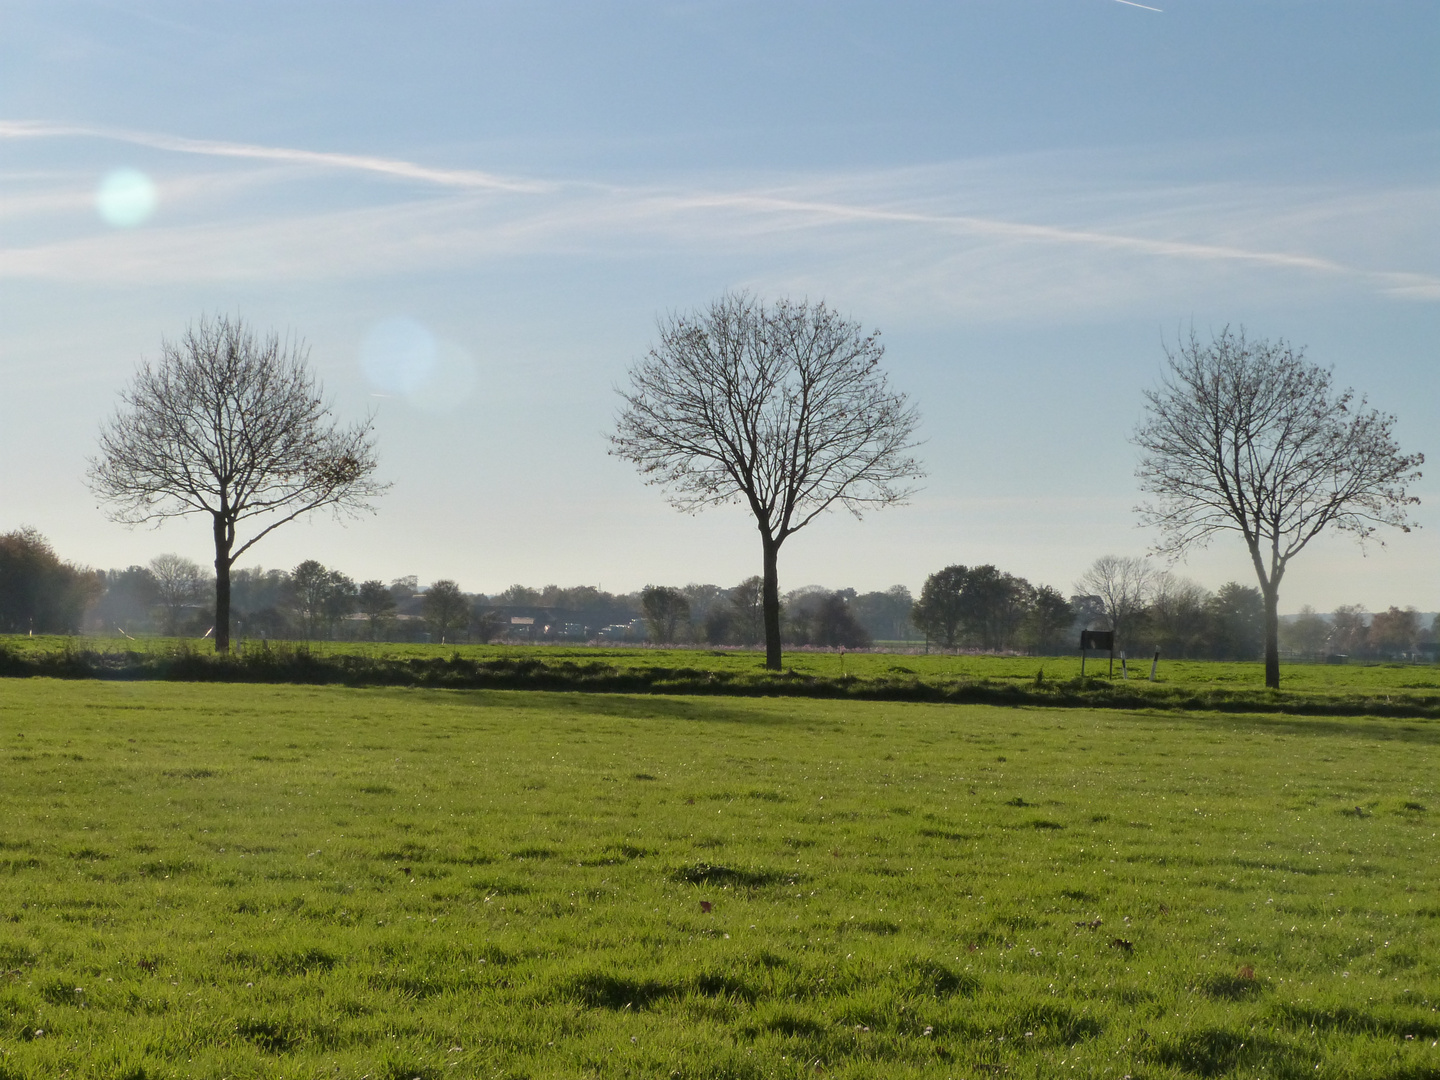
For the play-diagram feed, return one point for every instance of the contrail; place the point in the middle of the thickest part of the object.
(1021, 231)
(752, 202)
(1147, 7)
(408, 170)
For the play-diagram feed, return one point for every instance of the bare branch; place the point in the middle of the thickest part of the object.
(1249, 437)
(234, 426)
(1124, 585)
(784, 408)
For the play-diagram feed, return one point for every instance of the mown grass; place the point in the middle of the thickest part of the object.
(221, 880)
(1308, 689)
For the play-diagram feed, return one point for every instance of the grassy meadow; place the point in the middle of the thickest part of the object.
(942, 667)
(1394, 689)
(241, 880)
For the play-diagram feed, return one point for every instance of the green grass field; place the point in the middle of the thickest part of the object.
(272, 881)
(1355, 679)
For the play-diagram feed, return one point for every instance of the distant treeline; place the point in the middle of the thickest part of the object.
(974, 608)
(174, 596)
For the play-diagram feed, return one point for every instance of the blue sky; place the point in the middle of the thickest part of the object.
(1028, 199)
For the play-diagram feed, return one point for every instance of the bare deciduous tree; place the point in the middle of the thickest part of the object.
(1249, 437)
(179, 583)
(235, 427)
(1349, 629)
(783, 408)
(1177, 616)
(1123, 584)
(1393, 633)
(1306, 634)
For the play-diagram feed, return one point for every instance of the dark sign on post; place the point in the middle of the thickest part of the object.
(1101, 641)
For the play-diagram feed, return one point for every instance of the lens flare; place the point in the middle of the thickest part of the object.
(400, 356)
(450, 385)
(126, 198)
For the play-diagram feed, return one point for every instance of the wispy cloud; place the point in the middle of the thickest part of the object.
(406, 170)
(897, 220)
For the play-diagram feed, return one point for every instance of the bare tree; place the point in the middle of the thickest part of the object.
(1178, 615)
(1393, 633)
(1249, 437)
(1349, 629)
(179, 583)
(783, 408)
(1307, 633)
(1123, 584)
(233, 426)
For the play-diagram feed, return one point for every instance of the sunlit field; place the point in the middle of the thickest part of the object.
(201, 880)
(1400, 679)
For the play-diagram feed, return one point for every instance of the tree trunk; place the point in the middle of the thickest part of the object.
(1272, 637)
(224, 541)
(771, 603)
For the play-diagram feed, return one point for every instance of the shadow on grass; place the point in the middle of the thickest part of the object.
(301, 665)
(704, 873)
(1361, 727)
(620, 706)
(1226, 987)
(1217, 1051)
(606, 990)
(1349, 1020)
